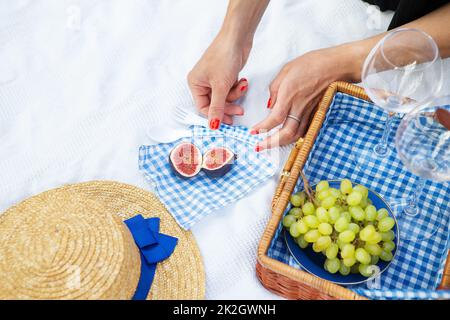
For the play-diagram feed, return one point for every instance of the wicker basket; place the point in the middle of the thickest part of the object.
(278, 277)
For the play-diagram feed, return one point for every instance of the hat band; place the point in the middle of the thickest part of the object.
(153, 248)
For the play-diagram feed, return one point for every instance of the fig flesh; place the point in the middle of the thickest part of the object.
(185, 160)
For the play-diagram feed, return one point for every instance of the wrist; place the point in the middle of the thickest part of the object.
(350, 58)
(236, 35)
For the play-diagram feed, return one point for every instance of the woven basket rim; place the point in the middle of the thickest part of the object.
(288, 180)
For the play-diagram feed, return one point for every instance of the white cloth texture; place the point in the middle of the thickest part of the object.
(81, 81)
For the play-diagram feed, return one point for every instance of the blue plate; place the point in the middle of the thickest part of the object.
(313, 262)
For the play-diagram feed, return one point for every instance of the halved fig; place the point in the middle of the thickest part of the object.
(185, 160)
(217, 161)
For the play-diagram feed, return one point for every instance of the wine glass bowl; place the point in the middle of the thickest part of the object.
(403, 70)
(423, 142)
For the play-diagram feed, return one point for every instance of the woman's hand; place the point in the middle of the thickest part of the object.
(214, 80)
(297, 89)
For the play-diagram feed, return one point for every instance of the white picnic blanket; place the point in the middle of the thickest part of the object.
(80, 81)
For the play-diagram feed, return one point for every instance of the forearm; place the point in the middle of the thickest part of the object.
(242, 19)
(436, 24)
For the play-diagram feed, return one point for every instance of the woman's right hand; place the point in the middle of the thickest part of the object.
(214, 80)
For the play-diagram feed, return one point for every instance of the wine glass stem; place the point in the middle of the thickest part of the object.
(381, 149)
(412, 207)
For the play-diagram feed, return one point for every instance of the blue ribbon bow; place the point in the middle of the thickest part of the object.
(153, 246)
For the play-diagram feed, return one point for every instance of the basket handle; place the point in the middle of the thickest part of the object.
(445, 283)
(286, 171)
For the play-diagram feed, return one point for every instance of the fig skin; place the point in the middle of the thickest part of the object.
(220, 172)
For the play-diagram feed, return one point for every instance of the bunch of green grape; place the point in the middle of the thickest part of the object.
(343, 225)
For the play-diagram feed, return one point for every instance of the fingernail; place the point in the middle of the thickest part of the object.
(243, 88)
(254, 131)
(244, 79)
(214, 124)
(258, 149)
(269, 102)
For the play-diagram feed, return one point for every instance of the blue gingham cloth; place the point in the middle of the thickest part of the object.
(350, 126)
(189, 200)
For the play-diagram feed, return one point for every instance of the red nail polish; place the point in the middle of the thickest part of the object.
(269, 102)
(243, 88)
(258, 149)
(254, 131)
(214, 124)
(244, 79)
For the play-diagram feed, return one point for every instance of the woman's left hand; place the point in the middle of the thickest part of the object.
(297, 89)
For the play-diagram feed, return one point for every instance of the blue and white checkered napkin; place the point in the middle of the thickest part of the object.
(417, 268)
(189, 200)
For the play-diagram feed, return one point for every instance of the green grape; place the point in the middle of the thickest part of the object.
(312, 235)
(296, 212)
(363, 190)
(371, 213)
(343, 269)
(354, 268)
(332, 265)
(366, 270)
(373, 249)
(362, 256)
(386, 255)
(341, 224)
(322, 185)
(323, 194)
(316, 247)
(347, 236)
(382, 213)
(374, 259)
(311, 221)
(354, 198)
(302, 227)
(322, 214)
(333, 214)
(332, 251)
(364, 203)
(328, 202)
(349, 261)
(353, 227)
(335, 193)
(357, 213)
(308, 208)
(389, 245)
(346, 186)
(347, 216)
(301, 242)
(288, 220)
(367, 232)
(323, 242)
(386, 224)
(387, 236)
(325, 228)
(348, 251)
(296, 200)
(375, 238)
(340, 244)
(294, 230)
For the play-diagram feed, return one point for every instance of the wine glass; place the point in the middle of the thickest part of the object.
(423, 145)
(401, 72)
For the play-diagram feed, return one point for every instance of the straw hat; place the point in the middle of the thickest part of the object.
(71, 243)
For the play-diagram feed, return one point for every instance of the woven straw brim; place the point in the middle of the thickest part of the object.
(181, 276)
